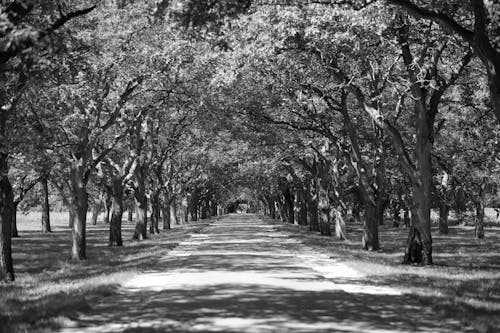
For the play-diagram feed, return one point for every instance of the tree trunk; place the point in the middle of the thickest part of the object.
(141, 219)
(45, 206)
(193, 205)
(324, 210)
(166, 215)
(107, 207)
(302, 213)
(204, 209)
(6, 212)
(479, 225)
(95, 213)
(155, 214)
(340, 227)
(422, 189)
(15, 232)
(288, 205)
(406, 217)
(141, 205)
(313, 213)
(444, 210)
(370, 240)
(79, 203)
(71, 218)
(174, 212)
(396, 215)
(414, 247)
(130, 217)
(115, 226)
(213, 208)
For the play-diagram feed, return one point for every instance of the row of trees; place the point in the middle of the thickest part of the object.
(323, 112)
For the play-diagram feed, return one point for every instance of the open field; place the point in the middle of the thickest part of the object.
(47, 283)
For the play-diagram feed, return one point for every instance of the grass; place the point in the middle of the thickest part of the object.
(465, 277)
(49, 285)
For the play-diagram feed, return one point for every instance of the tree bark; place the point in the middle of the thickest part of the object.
(313, 213)
(370, 240)
(406, 217)
(166, 215)
(324, 210)
(107, 207)
(174, 211)
(6, 212)
(155, 213)
(15, 232)
(288, 205)
(130, 217)
(71, 217)
(45, 206)
(193, 205)
(79, 206)
(141, 206)
(444, 210)
(480, 204)
(340, 226)
(115, 226)
(95, 213)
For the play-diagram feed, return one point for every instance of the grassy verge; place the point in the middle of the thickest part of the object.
(465, 278)
(49, 288)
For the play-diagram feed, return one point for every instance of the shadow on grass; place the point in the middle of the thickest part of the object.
(48, 282)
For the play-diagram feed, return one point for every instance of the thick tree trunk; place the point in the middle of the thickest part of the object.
(45, 206)
(414, 247)
(422, 189)
(15, 232)
(370, 241)
(6, 213)
(115, 226)
(79, 201)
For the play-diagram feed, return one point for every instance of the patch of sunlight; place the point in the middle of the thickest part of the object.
(302, 282)
(239, 241)
(338, 270)
(225, 253)
(233, 323)
(273, 324)
(121, 327)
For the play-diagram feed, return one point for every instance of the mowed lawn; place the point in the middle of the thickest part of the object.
(465, 277)
(49, 287)
(48, 284)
